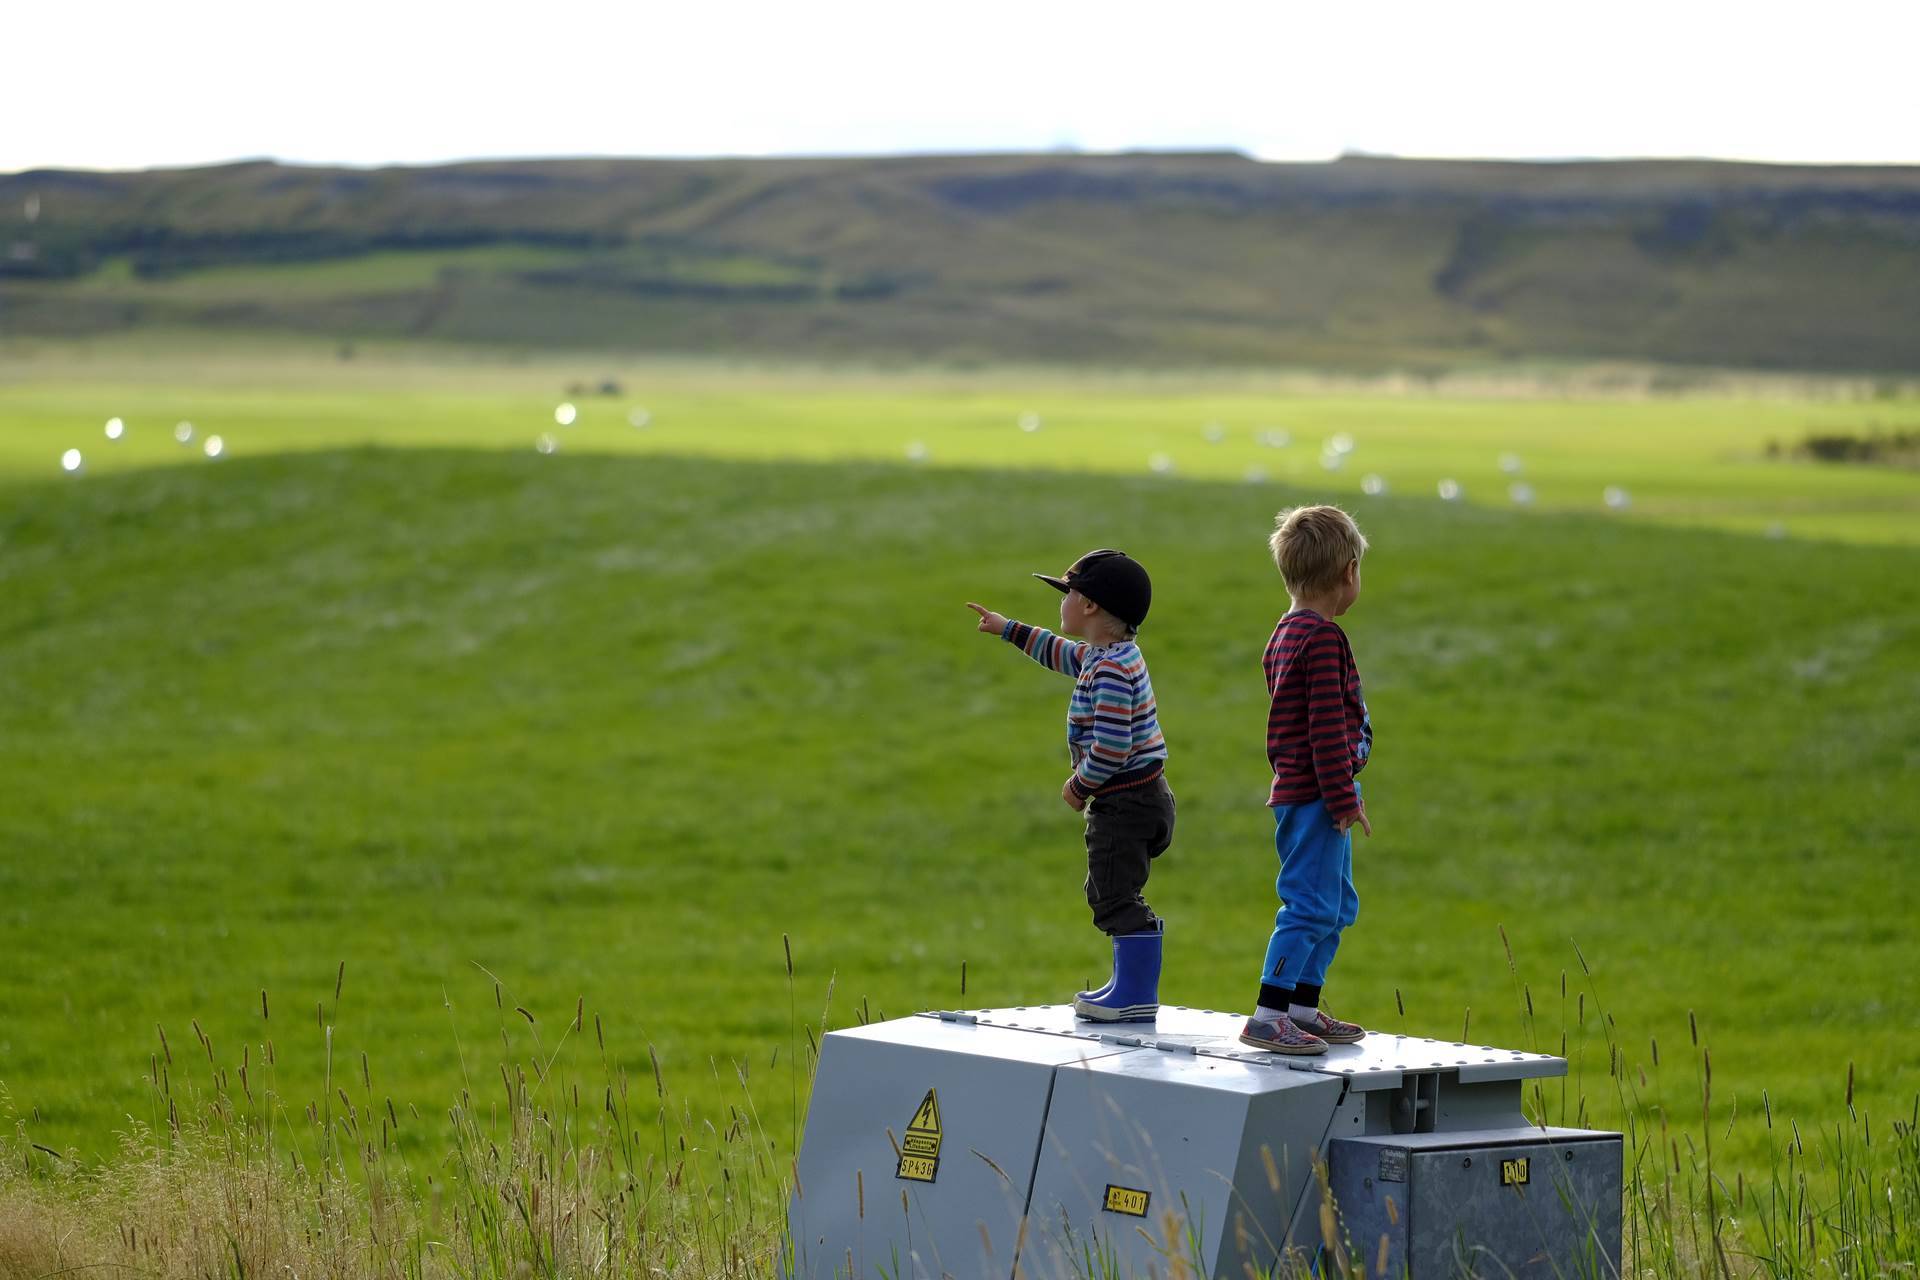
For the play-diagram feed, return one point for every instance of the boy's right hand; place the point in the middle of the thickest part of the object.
(990, 621)
(1343, 825)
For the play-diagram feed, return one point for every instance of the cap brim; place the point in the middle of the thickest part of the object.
(1058, 584)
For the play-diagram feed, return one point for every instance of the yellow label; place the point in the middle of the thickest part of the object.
(920, 1149)
(1513, 1173)
(1126, 1200)
(917, 1168)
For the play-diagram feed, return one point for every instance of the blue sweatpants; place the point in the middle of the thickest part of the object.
(1317, 897)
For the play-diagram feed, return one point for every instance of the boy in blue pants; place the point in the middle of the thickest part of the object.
(1318, 737)
(1119, 764)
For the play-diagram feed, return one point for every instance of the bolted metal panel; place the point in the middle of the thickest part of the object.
(919, 1150)
(1384, 1061)
(1511, 1202)
(1381, 1061)
(1165, 1151)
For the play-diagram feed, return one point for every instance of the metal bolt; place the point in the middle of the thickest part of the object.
(1467, 1163)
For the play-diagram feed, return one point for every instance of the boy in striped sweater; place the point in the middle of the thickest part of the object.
(1319, 737)
(1119, 761)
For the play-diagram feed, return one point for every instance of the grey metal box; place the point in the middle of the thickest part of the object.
(1166, 1151)
(1506, 1202)
(966, 1143)
(879, 1194)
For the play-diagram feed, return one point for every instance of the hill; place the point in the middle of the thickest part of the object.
(1157, 259)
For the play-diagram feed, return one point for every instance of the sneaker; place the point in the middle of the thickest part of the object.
(1280, 1037)
(1330, 1028)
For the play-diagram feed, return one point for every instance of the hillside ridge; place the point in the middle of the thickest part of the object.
(1163, 258)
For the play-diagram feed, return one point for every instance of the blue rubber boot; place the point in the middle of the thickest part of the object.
(1134, 993)
(1100, 991)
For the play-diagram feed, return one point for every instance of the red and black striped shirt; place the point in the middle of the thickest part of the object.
(1318, 731)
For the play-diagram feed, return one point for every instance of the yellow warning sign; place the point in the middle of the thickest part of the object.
(1126, 1200)
(920, 1149)
(1513, 1173)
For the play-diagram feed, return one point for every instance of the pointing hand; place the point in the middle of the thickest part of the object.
(990, 621)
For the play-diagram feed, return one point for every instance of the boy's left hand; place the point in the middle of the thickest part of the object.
(1072, 797)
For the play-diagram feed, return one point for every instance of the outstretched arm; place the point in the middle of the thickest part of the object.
(1055, 653)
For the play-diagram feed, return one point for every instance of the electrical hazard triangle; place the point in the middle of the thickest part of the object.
(920, 1149)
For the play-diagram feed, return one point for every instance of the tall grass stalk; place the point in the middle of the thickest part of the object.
(551, 1165)
(544, 1172)
(1849, 1208)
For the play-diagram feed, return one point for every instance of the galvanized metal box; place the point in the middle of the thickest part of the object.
(1169, 1152)
(920, 1146)
(966, 1144)
(1500, 1202)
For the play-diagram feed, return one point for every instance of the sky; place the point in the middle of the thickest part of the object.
(104, 84)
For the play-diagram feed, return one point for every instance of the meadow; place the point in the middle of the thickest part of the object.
(388, 725)
(1687, 448)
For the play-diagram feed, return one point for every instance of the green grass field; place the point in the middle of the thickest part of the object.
(607, 724)
(1696, 460)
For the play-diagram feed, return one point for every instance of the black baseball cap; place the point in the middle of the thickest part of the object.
(1111, 579)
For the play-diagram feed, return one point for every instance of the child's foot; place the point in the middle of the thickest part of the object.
(1099, 1011)
(1280, 1037)
(1134, 993)
(1329, 1028)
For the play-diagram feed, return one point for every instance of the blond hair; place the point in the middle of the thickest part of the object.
(1312, 547)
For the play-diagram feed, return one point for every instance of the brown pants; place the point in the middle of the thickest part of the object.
(1126, 831)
